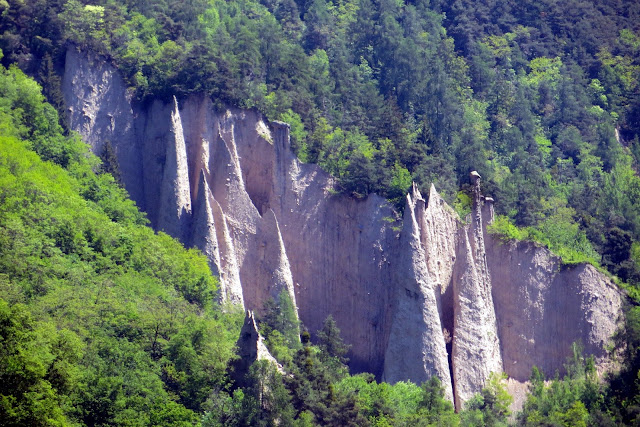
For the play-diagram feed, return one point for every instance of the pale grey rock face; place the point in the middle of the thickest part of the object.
(216, 244)
(439, 227)
(99, 108)
(230, 286)
(174, 208)
(545, 307)
(476, 346)
(417, 348)
(426, 295)
(251, 348)
(204, 227)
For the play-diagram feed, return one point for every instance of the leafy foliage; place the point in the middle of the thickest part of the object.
(557, 232)
(542, 100)
(101, 320)
(575, 400)
(490, 407)
(281, 327)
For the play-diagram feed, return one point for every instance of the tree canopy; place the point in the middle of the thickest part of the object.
(105, 322)
(541, 100)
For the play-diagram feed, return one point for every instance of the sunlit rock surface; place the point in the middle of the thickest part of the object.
(430, 294)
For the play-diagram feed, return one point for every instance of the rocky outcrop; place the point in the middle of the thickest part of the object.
(416, 349)
(426, 295)
(544, 306)
(175, 196)
(100, 109)
(439, 225)
(476, 346)
(251, 348)
(215, 242)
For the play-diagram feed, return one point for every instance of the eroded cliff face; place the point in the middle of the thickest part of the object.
(544, 305)
(475, 331)
(416, 349)
(426, 295)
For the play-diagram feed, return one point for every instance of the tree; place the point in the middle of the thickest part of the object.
(28, 364)
(269, 392)
(567, 401)
(490, 407)
(313, 390)
(280, 326)
(330, 342)
(333, 350)
(434, 408)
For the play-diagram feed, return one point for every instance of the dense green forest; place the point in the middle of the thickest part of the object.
(104, 322)
(542, 98)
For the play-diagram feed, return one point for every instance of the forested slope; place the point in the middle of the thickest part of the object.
(105, 322)
(101, 320)
(542, 99)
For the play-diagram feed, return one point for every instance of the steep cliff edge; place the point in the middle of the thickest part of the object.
(476, 345)
(545, 306)
(422, 296)
(417, 347)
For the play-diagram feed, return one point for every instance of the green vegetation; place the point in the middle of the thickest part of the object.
(101, 320)
(560, 235)
(104, 322)
(567, 401)
(382, 93)
(281, 327)
(463, 204)
(490, 407)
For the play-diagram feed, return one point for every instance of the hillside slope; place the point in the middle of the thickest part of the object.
(102, 321)
(393, 286)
